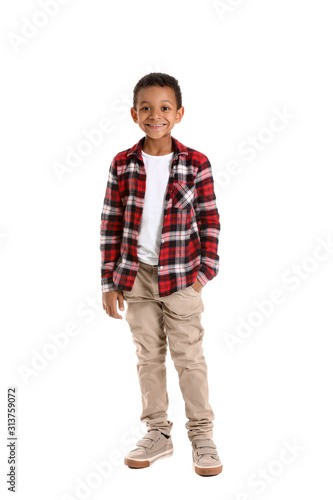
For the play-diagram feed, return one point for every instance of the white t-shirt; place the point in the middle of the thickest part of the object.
(150, 230)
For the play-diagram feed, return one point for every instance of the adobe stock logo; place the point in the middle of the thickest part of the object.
(265, 308)
(3, 236)
(266, 475)
(90, 140)
(224, 7)
(48, 353)
(31, 27)
(253, 146)
(84, 147)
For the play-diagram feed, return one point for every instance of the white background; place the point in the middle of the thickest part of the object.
(236, 69)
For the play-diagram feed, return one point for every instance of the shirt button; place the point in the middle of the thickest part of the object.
(162, 241)
(161, 267)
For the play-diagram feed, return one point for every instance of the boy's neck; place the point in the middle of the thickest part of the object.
(157, 147)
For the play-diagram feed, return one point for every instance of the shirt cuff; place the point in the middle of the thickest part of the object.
(202, 278)
(108, 287)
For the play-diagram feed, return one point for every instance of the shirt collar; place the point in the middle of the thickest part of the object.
(177, 147)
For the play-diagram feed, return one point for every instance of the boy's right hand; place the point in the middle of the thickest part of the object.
(110, 300)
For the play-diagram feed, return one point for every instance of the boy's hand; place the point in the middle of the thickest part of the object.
(197, 285)
(110, 303)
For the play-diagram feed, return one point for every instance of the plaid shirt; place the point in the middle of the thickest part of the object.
(191, 222)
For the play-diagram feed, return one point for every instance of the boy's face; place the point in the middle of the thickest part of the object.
(156, 112)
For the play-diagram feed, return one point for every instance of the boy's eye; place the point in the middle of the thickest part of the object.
(147, 107)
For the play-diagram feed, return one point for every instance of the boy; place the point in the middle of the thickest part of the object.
(159, 239)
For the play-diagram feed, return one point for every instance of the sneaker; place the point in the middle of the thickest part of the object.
(151, 447)
(205, 457)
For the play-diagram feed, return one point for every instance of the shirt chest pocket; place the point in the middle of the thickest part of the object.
(183, 195)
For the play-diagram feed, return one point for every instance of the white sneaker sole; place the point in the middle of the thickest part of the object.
(140, 463)
(207, 471)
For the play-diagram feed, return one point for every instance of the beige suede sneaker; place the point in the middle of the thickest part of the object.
(151, 447)
(205, 457)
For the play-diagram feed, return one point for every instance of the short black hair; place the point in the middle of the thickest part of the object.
(161, 79)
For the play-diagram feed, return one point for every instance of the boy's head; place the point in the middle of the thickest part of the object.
(154, 79)
(157, 104)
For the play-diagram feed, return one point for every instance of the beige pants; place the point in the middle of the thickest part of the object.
(177, 318)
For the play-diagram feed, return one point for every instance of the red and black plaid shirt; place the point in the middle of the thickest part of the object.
(191, 222)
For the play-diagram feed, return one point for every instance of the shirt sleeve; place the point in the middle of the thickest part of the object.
(111, 229)
(208, 220)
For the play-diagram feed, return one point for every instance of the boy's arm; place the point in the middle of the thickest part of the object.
(111, 229)
(208, 220)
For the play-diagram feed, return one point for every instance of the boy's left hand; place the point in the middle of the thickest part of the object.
(197, 285)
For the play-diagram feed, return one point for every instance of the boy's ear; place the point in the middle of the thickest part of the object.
(180, 114)
(134, 115)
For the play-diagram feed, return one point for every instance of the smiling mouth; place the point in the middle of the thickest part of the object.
(156, 126)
